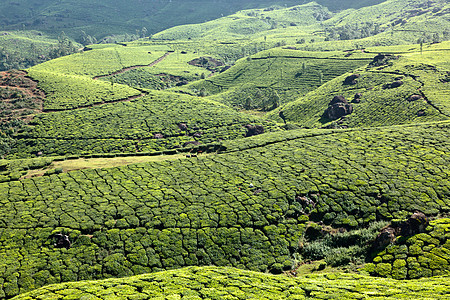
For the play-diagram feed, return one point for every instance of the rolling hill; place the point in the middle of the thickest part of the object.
(278, 152)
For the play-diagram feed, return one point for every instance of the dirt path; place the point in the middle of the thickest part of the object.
(134, 67)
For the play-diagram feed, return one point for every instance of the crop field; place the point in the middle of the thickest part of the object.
(103, 61)
(247, 23)
(229, 283)
(275, 153)
(65, 92)
(380, 105)
(247, 209)
(150, 123)
(288, 72)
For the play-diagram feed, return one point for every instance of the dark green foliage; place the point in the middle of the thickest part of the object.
(422, 255)
(340, 248)
(23, 49)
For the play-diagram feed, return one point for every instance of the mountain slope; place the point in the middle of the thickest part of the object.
(375, 99)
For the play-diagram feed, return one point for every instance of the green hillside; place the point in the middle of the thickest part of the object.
(422, 74)
(100, 19)
(229, 283)
(248, 208)
(276, 152)
(23, 49)
(275, 77)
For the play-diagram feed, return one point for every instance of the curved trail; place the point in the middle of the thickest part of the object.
(134, 67)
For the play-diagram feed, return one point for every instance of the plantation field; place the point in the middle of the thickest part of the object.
(252, 83)
(65, 92)
(247, 209)
(296, 141)
(423, 75)
(229, 283)
(150, 123)
(103, 61)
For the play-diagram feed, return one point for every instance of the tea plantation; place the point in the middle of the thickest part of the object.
(424, 254)
(158, 121)
(230, 283)
(375, 101)
(276, 153)
(246, 209)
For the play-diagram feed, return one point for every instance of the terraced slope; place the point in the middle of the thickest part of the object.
(229, 283)
(412, 88)
(157, 121)
(249, 24)
(284, 74)
(246, 209)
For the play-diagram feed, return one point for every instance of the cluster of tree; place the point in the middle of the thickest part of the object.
(64, 47)
(352, 31)
(29, 55)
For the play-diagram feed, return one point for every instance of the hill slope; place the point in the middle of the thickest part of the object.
(248, 208)
(228, 283)
(376, 98)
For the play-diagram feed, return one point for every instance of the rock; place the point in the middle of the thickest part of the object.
(183, 126)
(197, 135)
(158, 136)
(62, 241)
(414, 97)
(357, 98)
(393, 85)
(382, 59)
(421, 113)
(254, 130)
(338, 107)
(415, 224)
(352, 79)
(385, 237)
(194, 143)
(338, 99)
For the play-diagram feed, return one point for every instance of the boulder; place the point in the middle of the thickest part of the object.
(415, 224)
(158, 136)
(352, 79)
(183, 126)
(393, 85)
(414, 97)
(253, 130)
(338, 107)
(193, 143)
(357, 98)
(62, 241)
(382, 59)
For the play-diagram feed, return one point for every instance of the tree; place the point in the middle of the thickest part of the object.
(144, 32)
